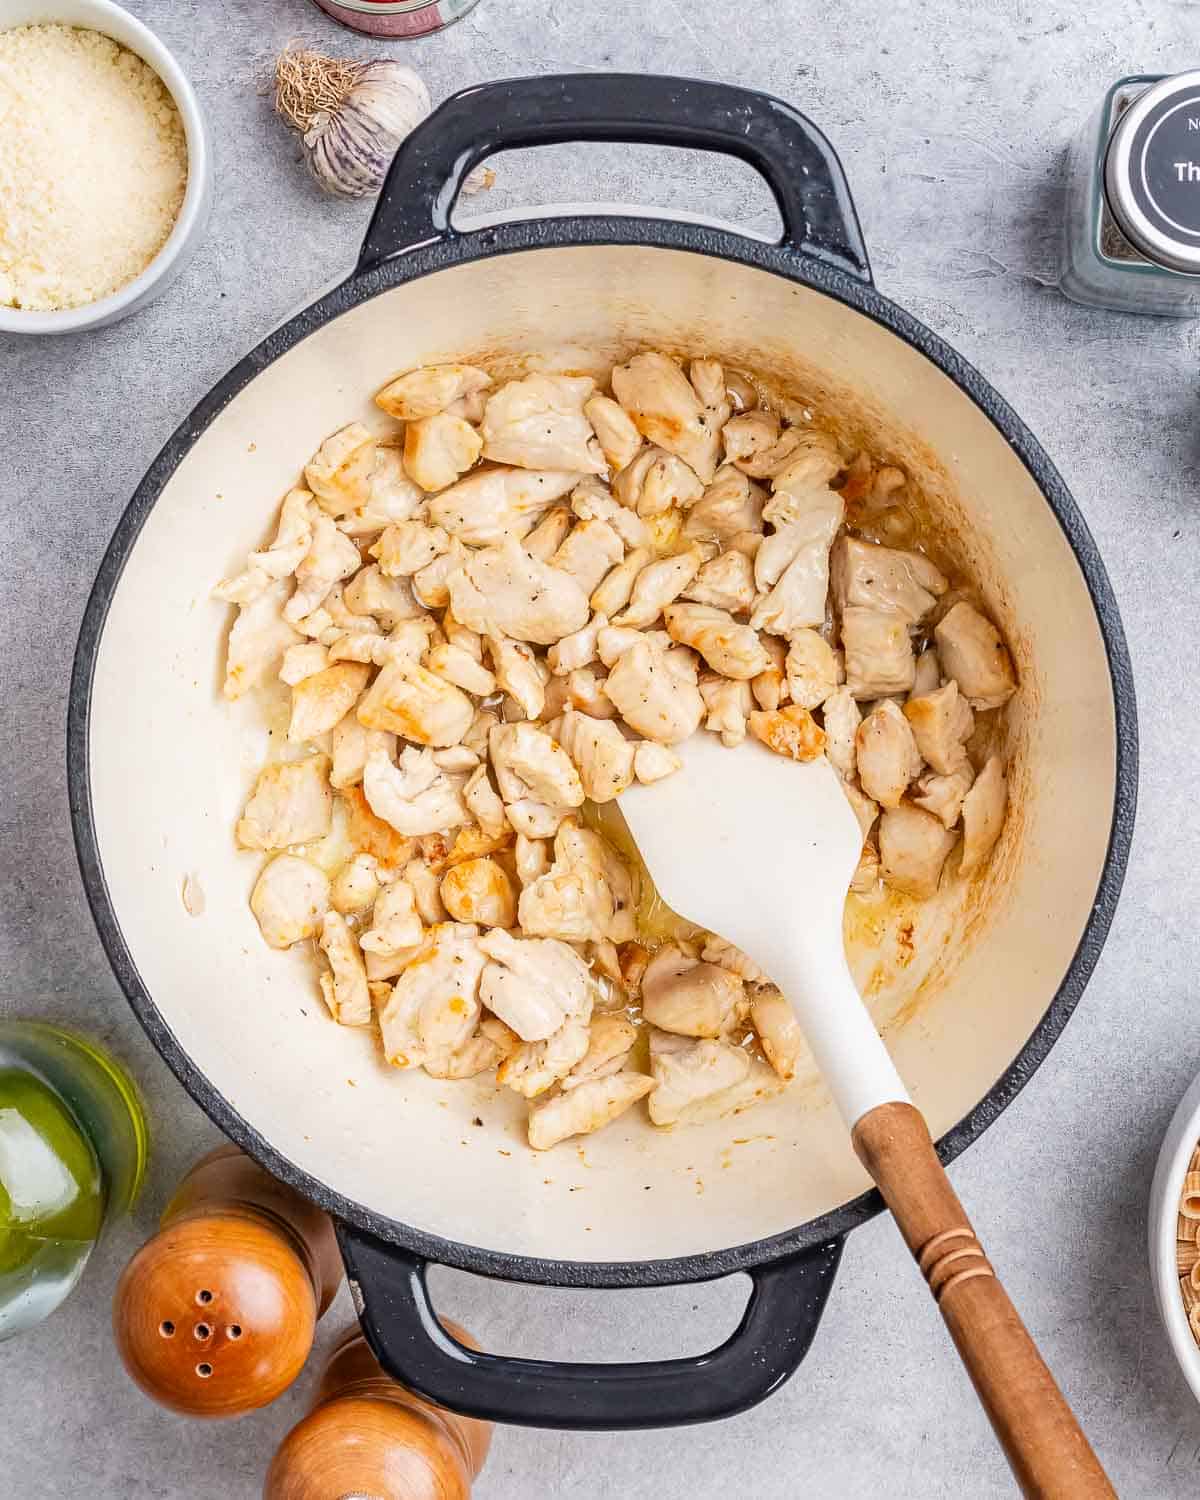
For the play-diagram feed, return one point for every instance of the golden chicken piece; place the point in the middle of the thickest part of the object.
(504, 589)
(610, 1040)
(414, 796)
(943, 795)
(614, 429)
(439, 449)
(942, 722)
(536, 779)
(727, 582)
(871, 577)
(790, 731)
(729, 705)
(434, 1008)
(484, 803)
(302, 660)
(429, 390)
(682, 994)
(913, 847)
(427, 888)
(770, 687)
(479, 891)
(459, 667)
(983, 811)
(708, 381)
(534, 1067)
(539, 423)
(518, 673)
(717, 950)
(731, 649)
(812, 669)
(321, 701)
(535, 985)
(864, 808)
(531, 857)
(394, 496)
(350, 745)
(548, 535)
(614, 592)
(329, 559)
(293, 537)
(588, 553)
(257, 640)
(586, 895)
(927, 677)
(291, 804)
(345, 985)
(655, 482)
(778, 1031)
(586, 1109)
(289, 900)
(493, 504)
(390, 601)
(409, 546)
(973, 653)
(339, 474)
(479, 1053)
(395, 923)
(653, 762)
(666, 410)
(356, 885)
(601, 754)
(577, 649)
(730, 507)
(409, 700)
(655, 692)
(431, 584)
(888, 758)
(879, 654)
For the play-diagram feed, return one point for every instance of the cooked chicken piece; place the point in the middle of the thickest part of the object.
(582, 1110)
(539, 423)
(548, 535)
(434, 1008)
(943, 795)
(617, 435)
(871, 577)
(866, 871)
(243, 588)
(322, 700)
(655, 482)
(864, 808)
(476, 737)
(536, 779)
(585, 694)
(589, 553)
(590, 501)
(942, 723)
(482, 800)
(611, 1037)
(504, 589)
(493, 504)
(983, 812)
(331, 558)
(532, 858)
(729, 507)
(371, 835)
(390, 601)
(708, 381)
(302, 660)
(291, 804)
(687, 996)
(606, 961)
(414, 796)
(438, 449)
(729, 648)
(406, 643)
(257, 640)
(749, 434)
(356, 885)
(657, 585)
(614, 593)
(469, 843)
(351, 743)
(655, 692)
(293, 538)
(345, 986)
(666, 410)
(585, 896)
(289, 899)
(888, 758)
(770, 687)
(653, 762)
(725, 955)
(409, 546)
(427, 889)
(340, 472)
(432, 388)
(928, 675)
(431, 585)
(394, 497)
(360, 646)
(790, 731)
(812, 669)
(634, 959)
(456, 758)
(793, 562)
(601, 753)
(879, 654)
(394, 921)
(535, 985)
(728, 705)
(577, 649)
(459, 667)
(913, 847)
(409, 700)
(693, 1079)
(535, 1067)
(612, 641)
(727, 582)
(975, 656)
(478, 890)
(478, 1054)
(778, 1030)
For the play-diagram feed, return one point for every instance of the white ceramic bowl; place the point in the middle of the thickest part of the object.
(1177, 1148)
(103, 16)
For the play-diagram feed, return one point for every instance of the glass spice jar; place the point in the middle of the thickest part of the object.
(1132, 225)
(397, 18)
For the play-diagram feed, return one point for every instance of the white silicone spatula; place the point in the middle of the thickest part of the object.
(761, 849)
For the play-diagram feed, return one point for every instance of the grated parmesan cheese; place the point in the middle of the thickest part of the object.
(93, 166)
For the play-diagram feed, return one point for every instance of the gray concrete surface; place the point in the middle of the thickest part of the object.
(951, 121)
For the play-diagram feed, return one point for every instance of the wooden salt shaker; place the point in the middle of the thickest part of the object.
(366, 1435)
(215, 1315)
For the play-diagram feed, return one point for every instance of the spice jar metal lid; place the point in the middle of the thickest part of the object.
(1152, 173)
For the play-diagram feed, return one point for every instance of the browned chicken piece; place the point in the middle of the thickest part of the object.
(790, 731)
(865, 808)
(479, 891)
(866, 576)
(942, 722)
(495, 503)
(503, 588)
(729, 508)
(409, 700)
(615, 592)
(601, 753)
(291, 804)
(339, 474)
(289, 900)
(728, 706)
(434, 1008)
(842, 717)
(913, 847)
(534, 1067)
(655, 692)
(539, 423)
(614, 429)
(438, 449)
(459, 667)
(431, 586)
(586, 895)
(983, 812)
(432, 388)
(778, 1030)
(973, 653)
(323, 700)
(409, 546)
(585, 1109)
(351, 743)
(866, 872)
(589, 553)
(812, 669)
(879, 654)
(610, 1040)
(928, 675)
(792, 443)
(548, 535)
(887, 754)
(770, 687)
(731, 649)
(943, 795)
(727, 582)
(666, 410)
(682, 994)
(394, 497)
(655, 482)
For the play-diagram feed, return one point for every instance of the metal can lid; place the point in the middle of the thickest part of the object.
(1152, 173)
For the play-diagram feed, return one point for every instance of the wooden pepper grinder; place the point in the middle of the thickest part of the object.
(215, 1315)
(368, 1436)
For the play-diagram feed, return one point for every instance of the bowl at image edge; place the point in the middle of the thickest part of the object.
(113, 21)
(1180, 1141)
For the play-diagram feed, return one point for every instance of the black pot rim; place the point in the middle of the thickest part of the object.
(513, 238)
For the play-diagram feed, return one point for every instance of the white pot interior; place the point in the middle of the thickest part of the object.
(171, 765)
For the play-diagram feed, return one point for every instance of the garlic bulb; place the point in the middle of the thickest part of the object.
(352, 115)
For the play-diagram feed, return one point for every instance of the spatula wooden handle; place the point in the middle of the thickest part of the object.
(1045, 1445)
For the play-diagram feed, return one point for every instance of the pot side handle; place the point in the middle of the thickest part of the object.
(786, 1302)
(798, 163)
